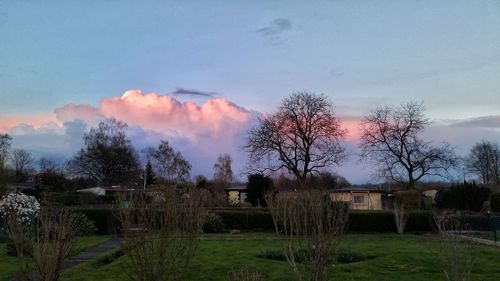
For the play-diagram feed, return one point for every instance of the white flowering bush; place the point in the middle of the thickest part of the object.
(23, 208)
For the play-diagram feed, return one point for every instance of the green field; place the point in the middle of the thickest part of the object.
(392, 257)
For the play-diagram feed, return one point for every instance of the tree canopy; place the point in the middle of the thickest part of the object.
(107, 156)
(484, 161)
(170, 164)
(303, 136)
(222, 168)
(391, 138)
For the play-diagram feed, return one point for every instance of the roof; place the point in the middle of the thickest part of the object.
(107, 188)
(360, 189)
(237, 187)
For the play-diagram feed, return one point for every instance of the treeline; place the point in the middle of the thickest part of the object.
(303, 139)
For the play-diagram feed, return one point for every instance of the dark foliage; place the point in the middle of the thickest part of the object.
(343, 255)
(466, 196)
(108, 157)
(105, 220)
(495, 202)
(258, 187)
(213, 224)
(411, 199)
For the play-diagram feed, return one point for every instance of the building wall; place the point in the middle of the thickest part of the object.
(360, 200)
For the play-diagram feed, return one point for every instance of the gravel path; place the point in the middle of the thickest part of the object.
(92, 252)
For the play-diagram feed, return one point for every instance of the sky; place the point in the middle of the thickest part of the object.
(197, 73)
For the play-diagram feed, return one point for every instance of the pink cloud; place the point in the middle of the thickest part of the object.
(72, 111)
(215, 123)
(216, 119)
(9, 122)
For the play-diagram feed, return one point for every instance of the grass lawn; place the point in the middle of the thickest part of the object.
(8, 264)
(393, 257)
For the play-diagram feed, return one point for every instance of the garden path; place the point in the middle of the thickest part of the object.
(92, 252)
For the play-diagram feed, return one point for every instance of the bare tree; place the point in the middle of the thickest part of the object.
(21, 161)
(222, 168)
(484, 161)
(400, 217)
(170, 164)
(456, 255)
(5, 142)
(391, 138)
(108, 156)
(303, 136)
(5, 174)
(48, 166)
(161, 233)
(309, 223)
(53, 242)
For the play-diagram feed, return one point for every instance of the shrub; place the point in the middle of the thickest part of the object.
(105, 220)
(10, 248)
(343, 255)
(349, 255)
(83, 226)
(495, 202)
(411, 199)
(466, 196)
(213, 224)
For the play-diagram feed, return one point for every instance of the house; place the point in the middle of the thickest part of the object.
(359, 197)
(107, 190)
(237, 193)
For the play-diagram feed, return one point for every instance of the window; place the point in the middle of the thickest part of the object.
(358, 199)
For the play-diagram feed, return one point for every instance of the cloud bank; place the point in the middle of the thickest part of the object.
(200, 132)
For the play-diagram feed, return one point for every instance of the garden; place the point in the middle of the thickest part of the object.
(300, 236)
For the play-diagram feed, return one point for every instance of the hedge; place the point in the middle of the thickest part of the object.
(495, 202)
(371, 221)
(247, 220)
(107, 222)
(466, 196)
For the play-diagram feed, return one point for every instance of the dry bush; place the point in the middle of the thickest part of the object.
(400, 216)
(53, 241)
(310, 223)
(161, 231)
(244, 274)
(19, 234)
(455, 253)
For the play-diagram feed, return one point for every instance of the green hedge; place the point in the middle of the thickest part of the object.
(371, 221)
(106, 221)
(247, 220)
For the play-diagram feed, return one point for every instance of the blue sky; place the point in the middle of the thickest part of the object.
(253, 53)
